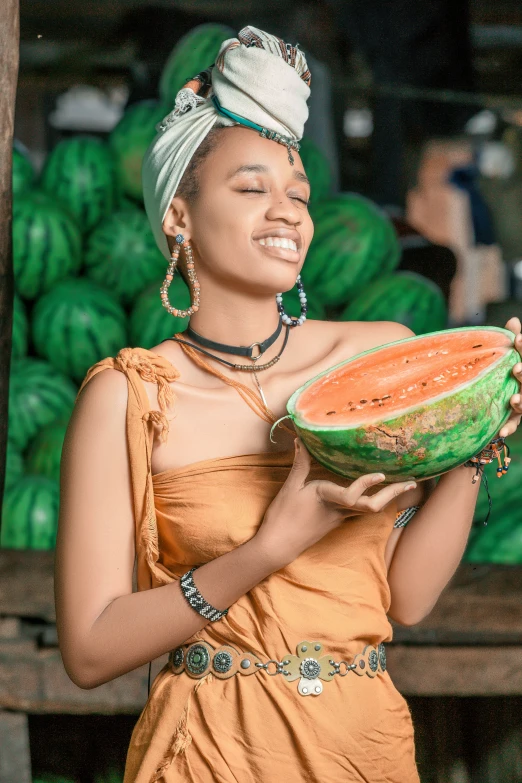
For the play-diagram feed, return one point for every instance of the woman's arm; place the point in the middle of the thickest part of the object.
(431, 546)
(104, 629)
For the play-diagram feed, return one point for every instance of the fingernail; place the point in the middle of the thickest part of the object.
(296, 444)
(379, 477)
(409, 486)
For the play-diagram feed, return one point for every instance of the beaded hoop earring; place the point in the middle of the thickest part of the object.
(193, 280)
(288, 319)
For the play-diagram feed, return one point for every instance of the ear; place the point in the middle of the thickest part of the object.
(176, 220)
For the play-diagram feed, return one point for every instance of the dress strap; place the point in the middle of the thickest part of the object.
(141, 364)
(248, 395)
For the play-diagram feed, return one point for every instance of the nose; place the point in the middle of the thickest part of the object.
(283, 208)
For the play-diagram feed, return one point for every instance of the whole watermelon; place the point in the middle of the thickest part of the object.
(317, 168)
(500, 541)
(81, 173)
(414, 408)
(121, 254)
(354, 243)
(20, 329)
(30, 514)
(23, 171)
(76, 324)
(130, 139)
(404, 297)
(47, 244)
(149, 322)
(45, 450)
(38, 395)
(193, 53)
(14, 468)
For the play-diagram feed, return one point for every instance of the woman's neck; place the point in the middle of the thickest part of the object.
(239, 328)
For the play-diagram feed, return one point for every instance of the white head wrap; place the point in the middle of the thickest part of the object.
(257, 77)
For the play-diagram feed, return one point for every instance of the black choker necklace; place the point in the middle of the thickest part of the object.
(247, 352)
(238, 350)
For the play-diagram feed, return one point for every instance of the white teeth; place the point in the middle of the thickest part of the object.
(289, 244)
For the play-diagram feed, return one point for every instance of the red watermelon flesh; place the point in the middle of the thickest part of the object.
(410, 409)
(408, 376)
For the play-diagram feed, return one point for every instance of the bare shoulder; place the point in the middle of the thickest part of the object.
(107, 390)
(359, 336)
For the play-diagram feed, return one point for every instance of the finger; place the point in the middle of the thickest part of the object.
(381, 499)
(301, 466)
(518, 342)
(517, 371)
(329, 492)
(510, 427)
(514, 325)
(516, 403)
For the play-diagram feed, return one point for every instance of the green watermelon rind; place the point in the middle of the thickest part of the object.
(435, 436)
(404, 297)
(39, 532)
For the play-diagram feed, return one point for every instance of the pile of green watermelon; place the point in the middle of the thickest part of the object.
(88, 274)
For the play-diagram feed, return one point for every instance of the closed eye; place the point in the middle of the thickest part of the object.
(251, 190)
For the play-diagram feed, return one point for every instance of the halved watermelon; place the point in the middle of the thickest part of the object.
(414, 408)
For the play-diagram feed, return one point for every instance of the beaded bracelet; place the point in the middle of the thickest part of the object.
(492, 451)
(496, 449)
(196, 600)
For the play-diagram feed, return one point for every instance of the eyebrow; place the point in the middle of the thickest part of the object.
(258, 168)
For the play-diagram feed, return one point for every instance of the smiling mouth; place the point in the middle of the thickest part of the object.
(285, 248)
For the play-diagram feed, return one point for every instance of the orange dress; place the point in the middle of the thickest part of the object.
(259, 729)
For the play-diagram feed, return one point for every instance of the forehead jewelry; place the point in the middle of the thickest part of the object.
(289, 143)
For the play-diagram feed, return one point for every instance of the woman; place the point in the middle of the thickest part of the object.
(296, 570)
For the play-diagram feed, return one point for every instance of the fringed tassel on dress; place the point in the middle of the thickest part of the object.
(182, 737)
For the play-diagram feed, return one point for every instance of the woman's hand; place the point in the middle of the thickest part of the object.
(513, 422)
(301, 514)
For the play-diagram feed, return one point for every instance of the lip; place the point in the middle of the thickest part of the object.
(285, 233)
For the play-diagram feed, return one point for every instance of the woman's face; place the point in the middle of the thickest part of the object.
(250, 197)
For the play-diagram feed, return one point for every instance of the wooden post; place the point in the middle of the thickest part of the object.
(9, 45)
(15, 762)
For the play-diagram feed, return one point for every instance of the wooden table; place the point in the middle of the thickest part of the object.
(470, 645)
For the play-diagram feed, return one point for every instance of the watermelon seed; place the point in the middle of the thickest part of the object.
(376, 399)
(478, 346)
(410, 388)
(364, 401)
(402, 396)
(453, 374)
(328, 413)
(381, 404)
(386, 397)
(444, 352)
(424, 383)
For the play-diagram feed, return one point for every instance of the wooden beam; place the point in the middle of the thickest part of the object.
(9, 46)
(481, 605)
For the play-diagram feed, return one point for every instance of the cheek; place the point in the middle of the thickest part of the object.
(307, 232)
(221, 227)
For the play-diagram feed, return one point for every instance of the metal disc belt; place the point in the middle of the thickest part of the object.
(310, 666)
